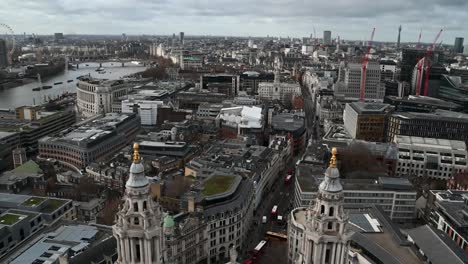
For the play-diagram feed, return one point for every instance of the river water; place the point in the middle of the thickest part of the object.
(24, 95)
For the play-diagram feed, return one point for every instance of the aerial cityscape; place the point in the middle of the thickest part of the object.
(248, 132)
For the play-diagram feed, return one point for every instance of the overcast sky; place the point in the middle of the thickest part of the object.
(351, 19)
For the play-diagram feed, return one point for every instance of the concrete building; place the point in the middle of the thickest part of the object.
(146, 109)
(181, 38)
(19, 157)
(241, 120)
(95, 96)
(24, 216)
(227, 84)
(291, 124)
(439, 124)
(79, 146)
(454, 89)
(260, 164)
(3, 54)
(396, 197)
(446, 210)
(327, 37)
(138, 228)
(351, 87)
(319, 234)
(250, 80)
(430, 157)
(366, 121)
(458, 46)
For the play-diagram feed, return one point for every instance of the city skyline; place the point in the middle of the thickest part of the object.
(265, 17)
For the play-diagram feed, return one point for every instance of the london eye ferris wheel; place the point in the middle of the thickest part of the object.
(7, 34)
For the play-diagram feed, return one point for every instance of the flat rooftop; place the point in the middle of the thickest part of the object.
(437, 115)
(369, 108)
(93, 130)
(288, 121)
(431, 142)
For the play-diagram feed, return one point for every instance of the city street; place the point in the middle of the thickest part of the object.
(282, 196)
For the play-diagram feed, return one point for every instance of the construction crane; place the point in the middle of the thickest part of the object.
(420, 66)
(426, 61)
(364, 67)
(419, 40)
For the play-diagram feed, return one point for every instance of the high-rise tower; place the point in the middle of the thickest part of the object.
(399, 35)
(138, 227)
(321, 236)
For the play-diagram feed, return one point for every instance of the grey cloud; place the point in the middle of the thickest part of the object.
(349, 18)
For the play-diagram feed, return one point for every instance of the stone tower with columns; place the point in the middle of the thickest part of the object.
(138, 227)
(326, 236)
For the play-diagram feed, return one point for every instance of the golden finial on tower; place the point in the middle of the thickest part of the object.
(333, 158)
(136, 154)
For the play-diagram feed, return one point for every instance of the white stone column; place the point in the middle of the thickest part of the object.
(142, 251)
(126, 242)
(119, 251)
(333, 252)
(132, 250)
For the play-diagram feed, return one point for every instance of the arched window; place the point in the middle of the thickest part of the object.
(331, 211)
(330, 225)
(322, 209)
(144, 205)
(135, 207)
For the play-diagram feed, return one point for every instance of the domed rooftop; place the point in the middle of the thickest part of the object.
(168, 222)
(331, 182)
(137, 178)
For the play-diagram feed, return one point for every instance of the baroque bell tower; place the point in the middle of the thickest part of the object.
(138, 227)
(326, 236)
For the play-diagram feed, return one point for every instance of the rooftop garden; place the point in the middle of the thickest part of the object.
(33, 201)
(52, 205)
(9, 219)
(217, 184)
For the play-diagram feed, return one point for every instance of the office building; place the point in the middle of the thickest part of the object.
(433, 85)
(327, 40)
(439, 124)
(446, 210)
(24, 216)
(30, 128)
(389, 71)
(146, 109)
(181, 38)
(421, 104)
(93, 141)
(430, 157)
(290, 124)
(458, 46)
(250, 80)
(399, 36)
(410, 57)
(350, 88)
(227, 84)
(95, 96)
(454, 89)
(58, 37)
(19, 157)
(320, 233)
(396, 197)
(366, 121)
(3, 54)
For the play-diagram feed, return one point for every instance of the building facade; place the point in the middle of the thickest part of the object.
(95, 96)
(439, 124)
(366, 121)
(146, 109)
(351, 87)
(94, 141)
(319, 233)
(430, 157)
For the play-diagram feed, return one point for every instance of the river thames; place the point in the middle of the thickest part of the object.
(24, 95)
